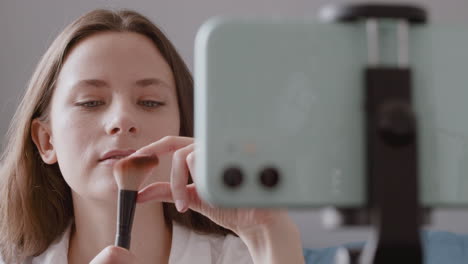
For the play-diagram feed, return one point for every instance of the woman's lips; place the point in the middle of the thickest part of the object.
(111, 157)
(110, 161)
(116, 153)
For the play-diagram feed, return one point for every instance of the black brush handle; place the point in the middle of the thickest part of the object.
(126, 211)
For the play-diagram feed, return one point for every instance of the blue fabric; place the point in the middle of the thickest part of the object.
(439, 248)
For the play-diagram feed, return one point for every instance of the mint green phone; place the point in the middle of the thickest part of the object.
(279, 113)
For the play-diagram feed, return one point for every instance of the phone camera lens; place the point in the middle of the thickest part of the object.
(269, 177)
(233, 177)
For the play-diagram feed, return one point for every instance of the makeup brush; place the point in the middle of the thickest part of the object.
(129, 174)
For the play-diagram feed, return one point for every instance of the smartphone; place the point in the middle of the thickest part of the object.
(279, 118)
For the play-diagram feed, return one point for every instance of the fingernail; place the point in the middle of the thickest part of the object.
(180, 205)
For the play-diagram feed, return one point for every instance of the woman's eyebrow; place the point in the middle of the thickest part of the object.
(141, 83)
(152, 81)
(91, 82)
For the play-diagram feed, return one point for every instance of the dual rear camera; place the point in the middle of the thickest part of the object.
(233, 177)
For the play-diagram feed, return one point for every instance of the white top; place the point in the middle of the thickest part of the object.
(187, 247)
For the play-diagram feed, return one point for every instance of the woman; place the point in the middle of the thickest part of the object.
(112, 85)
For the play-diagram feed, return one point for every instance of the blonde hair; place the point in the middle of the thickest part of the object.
(35, 201)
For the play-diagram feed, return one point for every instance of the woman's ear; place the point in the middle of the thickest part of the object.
(42, 138)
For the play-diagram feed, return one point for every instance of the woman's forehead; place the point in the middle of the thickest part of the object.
(115, 54)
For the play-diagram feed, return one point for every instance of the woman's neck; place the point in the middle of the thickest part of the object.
(94, 229)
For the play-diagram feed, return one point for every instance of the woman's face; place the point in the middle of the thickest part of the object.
(115, 92)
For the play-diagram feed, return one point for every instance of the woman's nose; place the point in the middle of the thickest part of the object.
(121, 122)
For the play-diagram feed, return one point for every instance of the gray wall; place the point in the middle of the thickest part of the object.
(28, 27)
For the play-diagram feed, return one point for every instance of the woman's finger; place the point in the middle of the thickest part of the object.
(161, 192)
(165, 145)
(191, 164)
(179, 177)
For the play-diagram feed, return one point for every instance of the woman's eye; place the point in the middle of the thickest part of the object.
(150, 104)
(91, 104)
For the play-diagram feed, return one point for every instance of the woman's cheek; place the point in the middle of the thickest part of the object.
(83, 125)
(75, 136)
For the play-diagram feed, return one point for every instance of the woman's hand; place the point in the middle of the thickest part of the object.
(269, 234)
(185, 196)
(114, 255)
